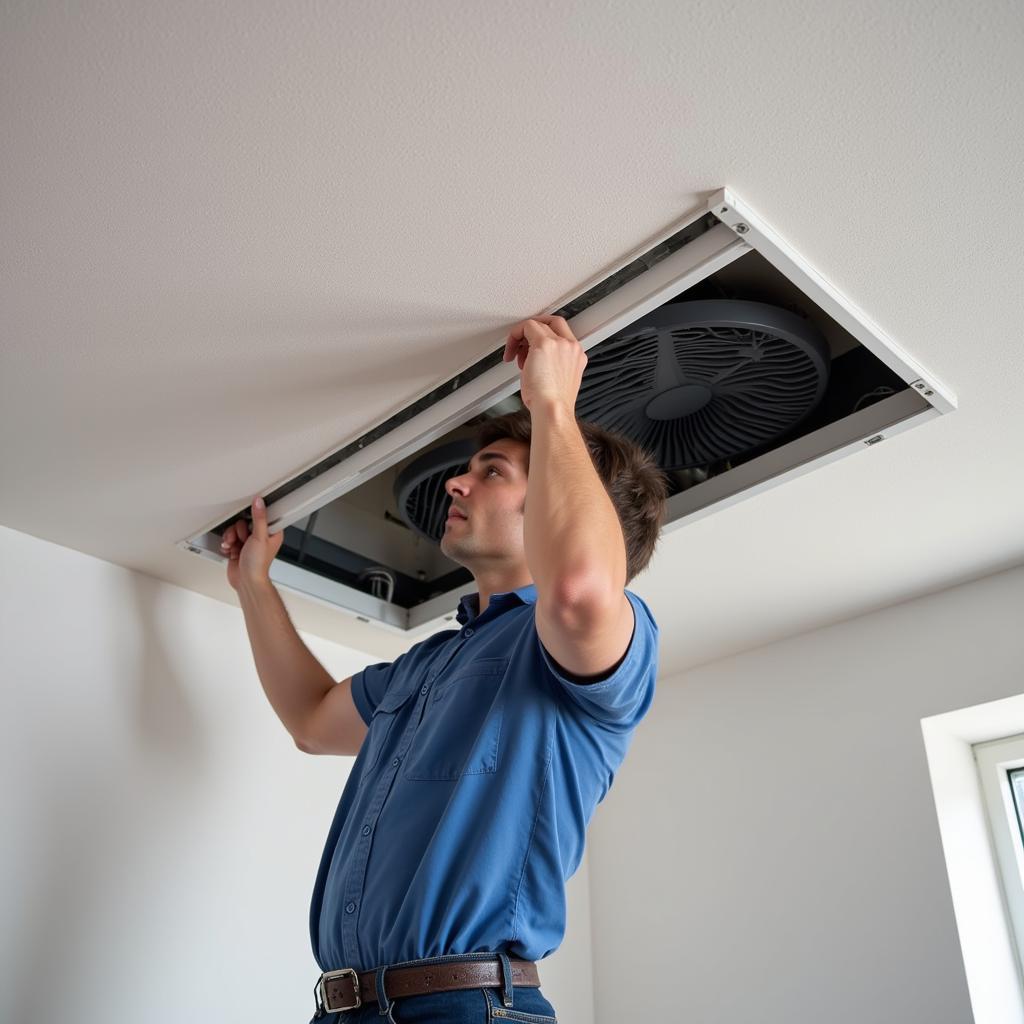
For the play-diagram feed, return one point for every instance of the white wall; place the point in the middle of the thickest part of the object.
(161, 830)
(770, 850)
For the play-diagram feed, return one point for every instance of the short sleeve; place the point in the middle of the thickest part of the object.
(621, 699)
(371, 683)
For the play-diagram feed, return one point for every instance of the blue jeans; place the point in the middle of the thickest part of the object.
(482, 1005)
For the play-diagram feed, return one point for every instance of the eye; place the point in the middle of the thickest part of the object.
(490, 468)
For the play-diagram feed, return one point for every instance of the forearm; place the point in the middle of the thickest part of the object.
(292, 678)
(575, 548)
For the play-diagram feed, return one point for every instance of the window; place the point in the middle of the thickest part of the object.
(1001, 774)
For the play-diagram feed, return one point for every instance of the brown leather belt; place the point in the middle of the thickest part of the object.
(347, 989)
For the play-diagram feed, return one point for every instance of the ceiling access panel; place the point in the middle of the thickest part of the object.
(719, 349)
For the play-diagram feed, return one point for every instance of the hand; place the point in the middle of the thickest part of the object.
(551, 360)
(249, 555)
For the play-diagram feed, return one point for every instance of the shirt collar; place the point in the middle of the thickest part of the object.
(469, 604)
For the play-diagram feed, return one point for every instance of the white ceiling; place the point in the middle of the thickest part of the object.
(235, 235)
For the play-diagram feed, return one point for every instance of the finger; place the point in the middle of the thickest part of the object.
(510, 346)
(526, 330)
(525, 333)
(558, 324)
(259, 521)
(516, 338)
(517, 333)
(243, 531)
(511, 349)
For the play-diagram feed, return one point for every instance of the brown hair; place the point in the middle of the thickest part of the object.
(637, 487)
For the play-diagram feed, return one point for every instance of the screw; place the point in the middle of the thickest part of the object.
(742, 229)
(725, 209)
(928, 392)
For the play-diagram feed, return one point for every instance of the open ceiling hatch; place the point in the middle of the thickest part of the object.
(719, 349)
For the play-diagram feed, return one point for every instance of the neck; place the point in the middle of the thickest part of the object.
(488, 584)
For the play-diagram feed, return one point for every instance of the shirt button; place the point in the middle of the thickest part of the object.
(467, 631)
(396, 760)
(423, 689)
(351, 907)
(366, 830)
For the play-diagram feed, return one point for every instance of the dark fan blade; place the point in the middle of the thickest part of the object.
(696, 382)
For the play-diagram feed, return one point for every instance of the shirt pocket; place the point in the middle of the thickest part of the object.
(460, 731)
(382, 724)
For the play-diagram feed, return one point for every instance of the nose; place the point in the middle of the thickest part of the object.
(455, 483)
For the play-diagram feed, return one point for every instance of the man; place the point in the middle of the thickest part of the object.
(482, 752)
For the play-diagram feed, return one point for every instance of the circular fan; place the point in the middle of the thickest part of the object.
(419, 489)
(695, 382)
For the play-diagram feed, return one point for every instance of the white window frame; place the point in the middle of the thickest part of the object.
(991, 962)
(995, 758)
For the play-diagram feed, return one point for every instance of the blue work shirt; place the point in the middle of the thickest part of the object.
(466, 809)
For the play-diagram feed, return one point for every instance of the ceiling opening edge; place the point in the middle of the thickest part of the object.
(708, 240)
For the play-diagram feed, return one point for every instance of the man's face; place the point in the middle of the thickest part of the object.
(492, 495)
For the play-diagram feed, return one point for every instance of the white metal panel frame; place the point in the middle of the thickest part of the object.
(740, 231)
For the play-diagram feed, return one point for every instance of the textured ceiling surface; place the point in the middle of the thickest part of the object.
(235, 235)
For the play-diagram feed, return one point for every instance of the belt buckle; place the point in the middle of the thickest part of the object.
(320, 992)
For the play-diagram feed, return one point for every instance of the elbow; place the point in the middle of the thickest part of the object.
(588, 599)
